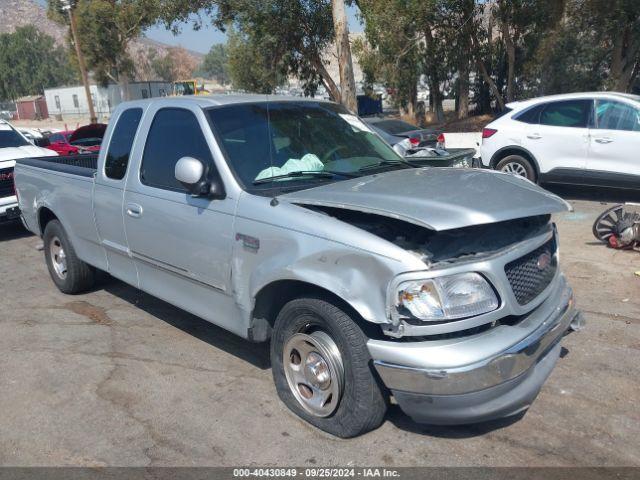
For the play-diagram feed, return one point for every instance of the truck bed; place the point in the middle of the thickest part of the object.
(84, 165)
(63, 185)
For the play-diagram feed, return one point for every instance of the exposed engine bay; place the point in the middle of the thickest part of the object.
(446, 246)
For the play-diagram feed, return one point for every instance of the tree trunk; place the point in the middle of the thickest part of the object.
(434, 78)
(410, 110)
(345, 65)
(510, 48)
(624, 61)
(83, 67)
(463, 89)
(485, 75)
(327, 81)
(123, 81)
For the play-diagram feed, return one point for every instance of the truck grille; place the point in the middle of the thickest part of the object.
(531, 274)
(6, 182)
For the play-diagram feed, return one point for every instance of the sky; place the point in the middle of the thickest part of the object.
(201, 40)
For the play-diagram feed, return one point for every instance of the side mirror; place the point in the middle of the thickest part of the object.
(193, 175)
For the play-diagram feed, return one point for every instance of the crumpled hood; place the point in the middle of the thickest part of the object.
(436, 198)
(26, 151)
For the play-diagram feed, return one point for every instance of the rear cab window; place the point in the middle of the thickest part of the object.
(174, 133)
(119, 150)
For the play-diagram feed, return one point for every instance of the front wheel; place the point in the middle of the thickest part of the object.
(517, 165)
(322, 368)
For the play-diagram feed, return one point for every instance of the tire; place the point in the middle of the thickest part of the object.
(70, 274)
(518, 165)
(362, 402)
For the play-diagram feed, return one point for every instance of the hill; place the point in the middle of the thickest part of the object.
(18, 13)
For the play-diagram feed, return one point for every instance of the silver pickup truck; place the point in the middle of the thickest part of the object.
(288, 220)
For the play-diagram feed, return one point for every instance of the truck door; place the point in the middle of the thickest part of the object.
(181, 244)
(109, 196)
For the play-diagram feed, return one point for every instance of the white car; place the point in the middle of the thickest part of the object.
(13, 145)
(579, 138)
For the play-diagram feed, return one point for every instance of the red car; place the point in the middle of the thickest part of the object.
(85, 139)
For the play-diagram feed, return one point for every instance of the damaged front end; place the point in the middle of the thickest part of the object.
(475, 277)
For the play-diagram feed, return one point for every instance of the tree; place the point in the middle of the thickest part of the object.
(216, 64)
(345, 66)
(293, 33)
(30, 62)
(105, 29)
(251, 67)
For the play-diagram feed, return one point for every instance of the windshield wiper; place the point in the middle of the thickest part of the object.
(295, 174)
(384, 163)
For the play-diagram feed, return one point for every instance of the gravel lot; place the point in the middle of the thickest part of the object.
(116, 377)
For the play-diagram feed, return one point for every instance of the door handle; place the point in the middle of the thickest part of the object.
(603, 140)
(134, 210)
(534, 136)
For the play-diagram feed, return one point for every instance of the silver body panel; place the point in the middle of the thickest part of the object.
(214, 257)
(439, 199)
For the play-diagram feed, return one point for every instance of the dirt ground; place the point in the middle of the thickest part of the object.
(116, 377)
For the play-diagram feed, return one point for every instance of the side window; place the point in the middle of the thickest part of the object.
(570, 113)
(117, 159)
(611, 115)
(56, 138)
(174, 133)
(530, 115)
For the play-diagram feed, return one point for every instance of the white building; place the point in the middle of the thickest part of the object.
(64, 102)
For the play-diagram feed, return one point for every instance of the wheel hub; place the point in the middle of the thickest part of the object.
(515, 168)
(314, 370)
(58, 258)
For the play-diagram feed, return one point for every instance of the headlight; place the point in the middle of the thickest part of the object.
(446, 298)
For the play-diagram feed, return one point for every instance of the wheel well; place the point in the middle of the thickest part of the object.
(515, 151)
(45, 216)
(271, 298)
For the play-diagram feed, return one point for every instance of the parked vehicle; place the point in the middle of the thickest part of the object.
(402, 136)
(85, 139)
(13, 145)
(291, 221)
(579, 138)
(421, 149)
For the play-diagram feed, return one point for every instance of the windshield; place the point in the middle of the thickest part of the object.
(279, 140)
(11, 138)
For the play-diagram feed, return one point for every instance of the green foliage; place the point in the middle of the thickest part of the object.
(251, 67)
(30, 62)
(290, 35)
(216, 64)
(105, 28)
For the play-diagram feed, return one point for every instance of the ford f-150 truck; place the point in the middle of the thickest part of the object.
(288, 220)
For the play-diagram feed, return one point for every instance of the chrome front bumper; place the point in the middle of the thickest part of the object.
(478, 373)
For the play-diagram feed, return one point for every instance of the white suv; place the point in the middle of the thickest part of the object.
(578, 138)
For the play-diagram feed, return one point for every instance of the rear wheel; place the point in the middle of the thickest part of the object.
(322, 368)
(517, 165)
(70, 274)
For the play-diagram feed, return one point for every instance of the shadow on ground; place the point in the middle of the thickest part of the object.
(13, 231)
(398, 418)
(255, 353)
(595, 194)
